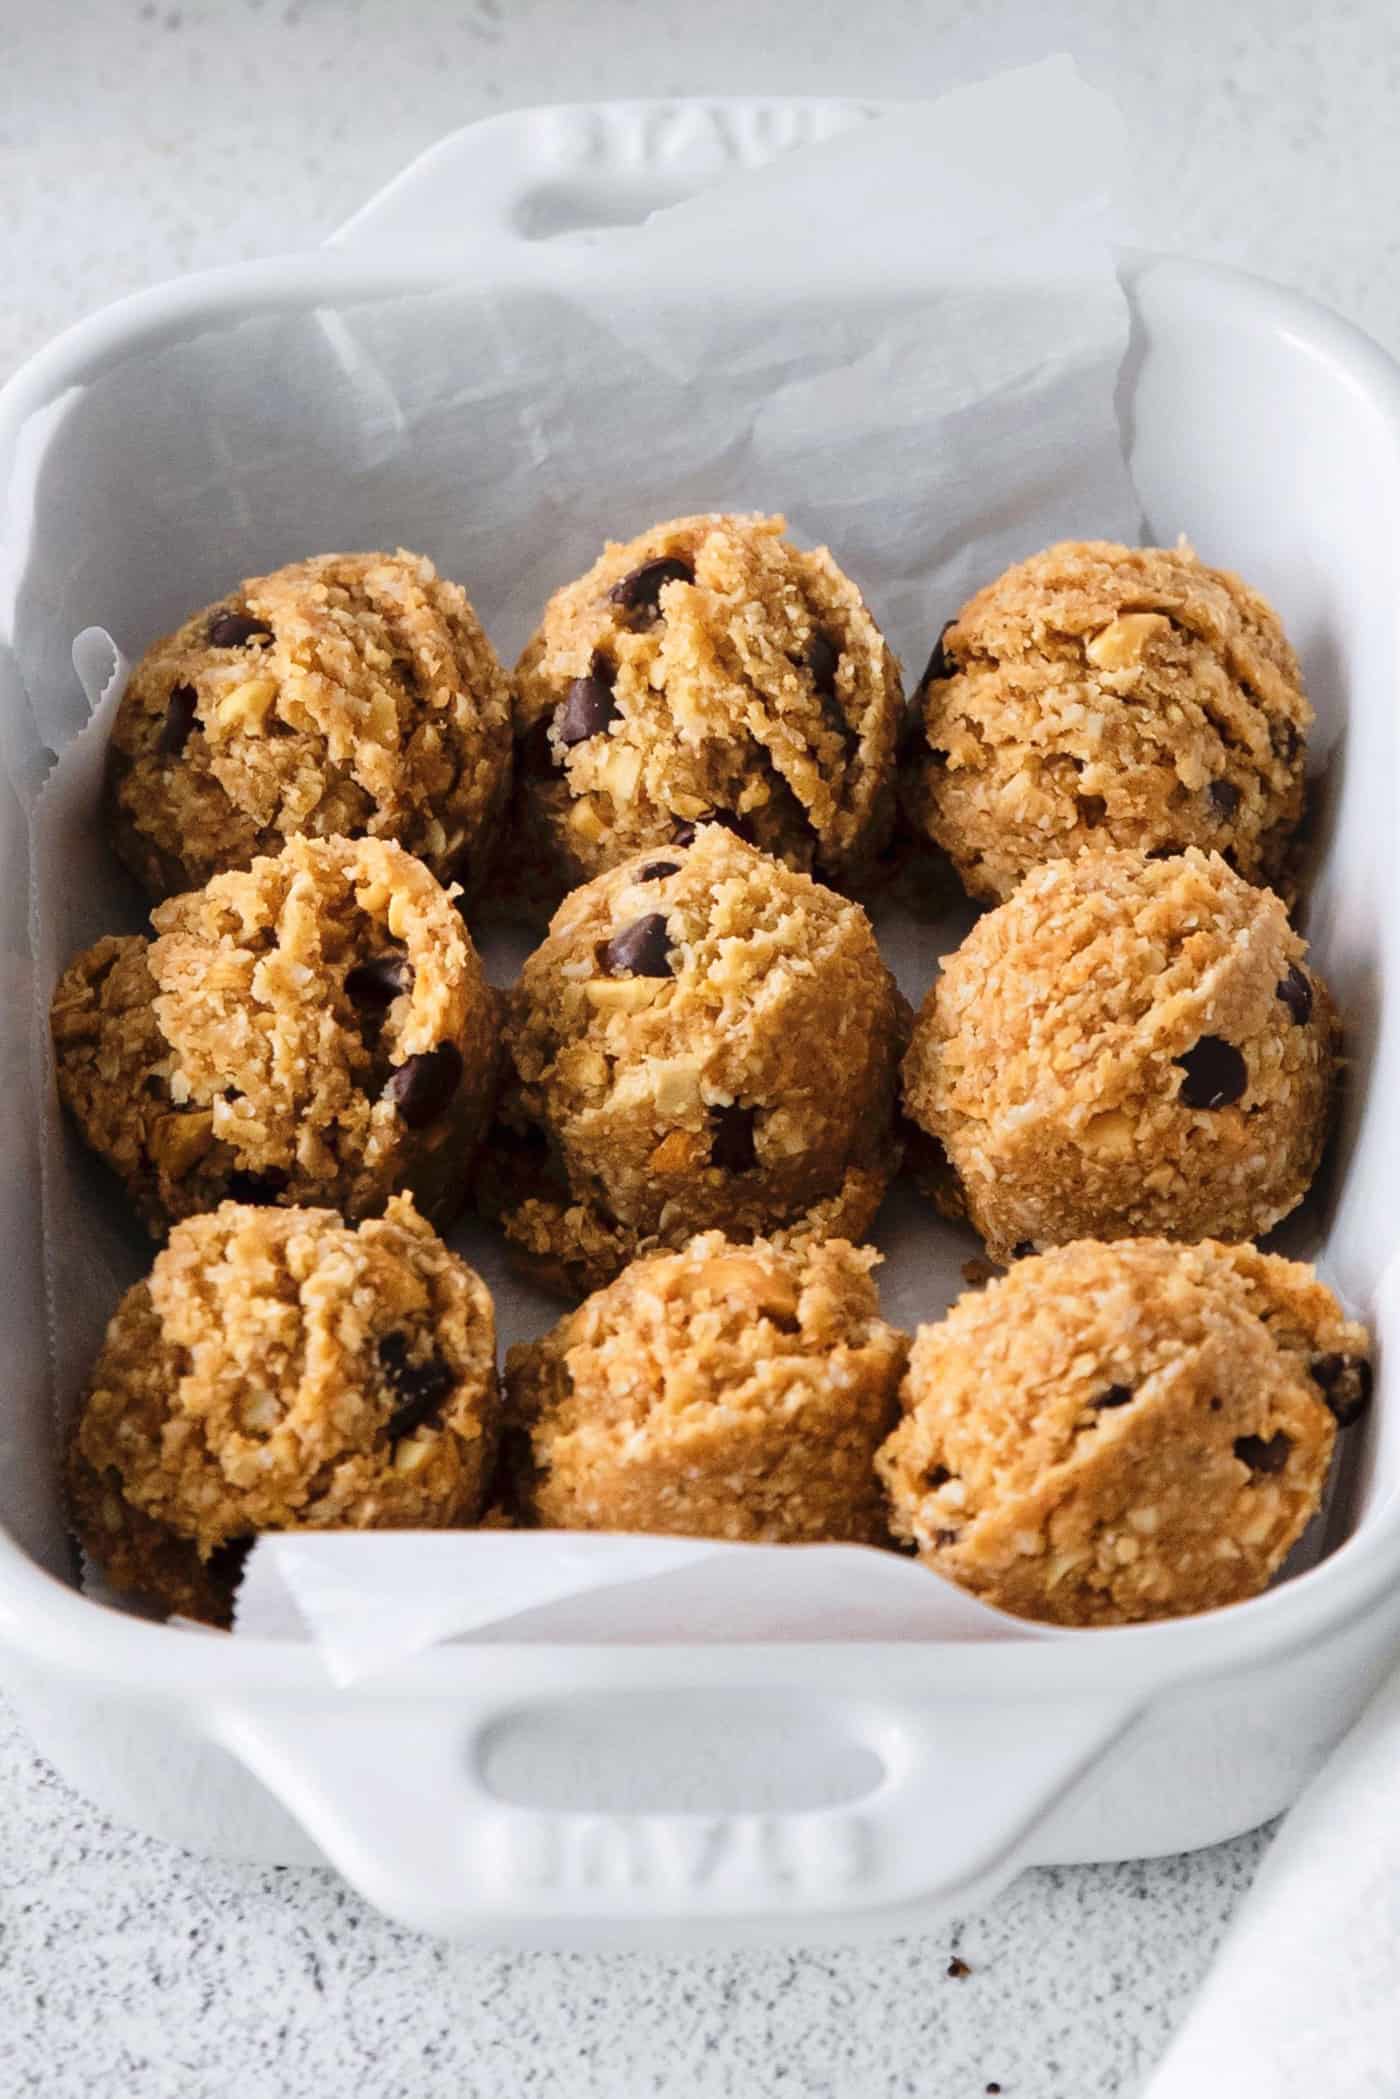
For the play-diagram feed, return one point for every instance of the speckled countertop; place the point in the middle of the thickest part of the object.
(142, 138)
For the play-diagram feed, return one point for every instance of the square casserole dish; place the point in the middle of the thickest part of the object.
(584, 1795)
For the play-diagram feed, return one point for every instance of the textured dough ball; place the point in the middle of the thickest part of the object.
(1101, 696)
(1130, 1045)
(706, 1040)
(1123, 1432)
(281, 1370)
(314, 1028)
(708, 669)
(725, 1392)
(351, 694)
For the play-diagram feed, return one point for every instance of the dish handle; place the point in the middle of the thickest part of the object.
(397, 1792)
(539, 174)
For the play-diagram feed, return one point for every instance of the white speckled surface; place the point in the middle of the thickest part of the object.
(140, 140)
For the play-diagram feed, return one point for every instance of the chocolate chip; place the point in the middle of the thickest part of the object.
(1216, 1073)
(940, 664)
(938, 1476)
(642, 949)
(945, 1537)
(534, 753)
(262, 1187)
(1216, 1405)
(1261, 1455)
(992, 2089)
(1297, 994)
(1113, 1396)
(978, 1271)
(588, 706)
(422, 1388)
(1346, 1386)
(684, 833)
(179, 721)
(659, 870)
(641, 590)
(732, 1146)
(958, 1969)
(1225, 797)
(823, 658)
(422, 1086)
(1164, 852)
(234, 630)
(1285, 740)
(375, 984)
(1022, 1249)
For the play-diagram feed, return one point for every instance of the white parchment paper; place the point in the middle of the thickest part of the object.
(908, 339)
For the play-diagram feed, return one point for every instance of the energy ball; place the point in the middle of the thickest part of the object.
(1113, 1433)
(705, 1041)
(1100, 696)
(723, 1392)
(1128, 1046)
(313, 1029)
(708, 671)
(351, 695)
(281, 1370)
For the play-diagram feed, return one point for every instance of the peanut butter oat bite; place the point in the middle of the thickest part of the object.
(314, 1028)
(354, 694)
(725, 1392)
(1114, 1433)
(1129, 1045)
(281, 1370)
(706, 1040)
(1099, 696)
(709, 670)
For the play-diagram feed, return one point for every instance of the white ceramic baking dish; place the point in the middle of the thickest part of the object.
(590, 1794)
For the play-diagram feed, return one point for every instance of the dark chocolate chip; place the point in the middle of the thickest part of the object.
(422, 1388)
(1022, 1249)
(940, 664)
(1297, 994)
(641, 590)
(1285, 740)
(587, 708)
(659, 870)
(938, 1476)
(1216, 1405)
(262, 1187)
(1346, 1386)
(642, 949)
(375, 984)
(179, 721)
(1264, 1455)
(423, 1085)
(1225, 797)
(1113, 1396)
(992, 2089)
(684, 833)
(234, 630)
(534, 753)
(1092, 810)
(732, 1146)
(958, 1969)
(823, 657)
(1216, 1073)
